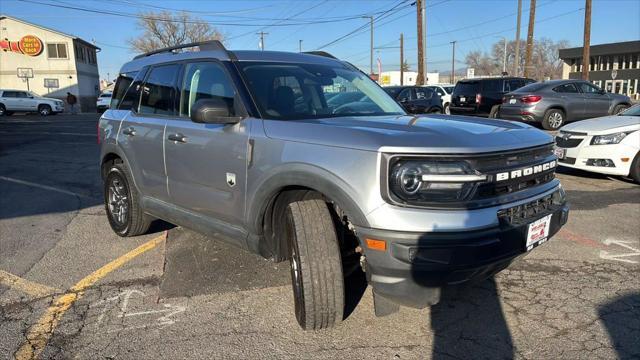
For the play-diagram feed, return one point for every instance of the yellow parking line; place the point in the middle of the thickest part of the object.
(25, 286)
(40, 333)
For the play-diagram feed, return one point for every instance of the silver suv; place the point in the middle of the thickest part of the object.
(244, 146)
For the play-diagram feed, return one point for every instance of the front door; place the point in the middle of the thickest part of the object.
(597, 102)
(207, 163)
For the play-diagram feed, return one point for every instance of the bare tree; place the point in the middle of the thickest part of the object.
(406, 66)
(545, 58)
(164, 29)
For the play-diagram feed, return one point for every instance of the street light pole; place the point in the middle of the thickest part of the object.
(504, 56)
(371, 44)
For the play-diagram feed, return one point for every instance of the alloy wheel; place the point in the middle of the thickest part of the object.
(118, 201)
(555, 120)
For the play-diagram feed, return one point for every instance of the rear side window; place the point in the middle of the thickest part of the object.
(423, 93)
(492, 86)
(566, 88)
(405, 94)
(122, 84)
(159, 91)
(132, 94)
(513, 84)
(10, 94)
(204, 80)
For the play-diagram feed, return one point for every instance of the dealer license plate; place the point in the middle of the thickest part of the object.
(560, 152)
(538, 232)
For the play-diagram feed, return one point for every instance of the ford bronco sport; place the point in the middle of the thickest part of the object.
(243, 146)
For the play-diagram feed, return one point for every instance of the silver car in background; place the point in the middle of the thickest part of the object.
(557, 102)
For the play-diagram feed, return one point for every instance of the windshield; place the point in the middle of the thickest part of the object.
(632, 111)
(290, 91)
(34, 94)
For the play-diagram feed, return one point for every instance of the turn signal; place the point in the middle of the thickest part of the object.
(376, 244)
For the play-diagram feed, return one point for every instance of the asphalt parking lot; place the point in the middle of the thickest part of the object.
(71, 288)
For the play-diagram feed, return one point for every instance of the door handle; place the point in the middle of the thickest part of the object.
(178, 138)
(129, 131)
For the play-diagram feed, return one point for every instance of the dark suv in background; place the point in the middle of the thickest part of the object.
(482, 97)
(416, 99)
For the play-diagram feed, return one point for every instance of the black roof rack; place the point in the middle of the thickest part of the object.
(203, 45)
(320, 53)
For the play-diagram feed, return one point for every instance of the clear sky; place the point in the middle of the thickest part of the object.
(474, 24)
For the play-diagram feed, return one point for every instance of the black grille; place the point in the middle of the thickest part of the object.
(489, 190)
(525, 213)
(568, 160)
(567, 143)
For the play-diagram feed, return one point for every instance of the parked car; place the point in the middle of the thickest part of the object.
(482, 97)
(556, 102)
(416, 99)
(212, 140)
(607, 145)
(27, 101)
(103, 101)
(444, 91)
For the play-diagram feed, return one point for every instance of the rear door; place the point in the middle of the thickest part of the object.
(11, 101)
(572, 99)
(142, 131)
(597, 102)
(207, 166)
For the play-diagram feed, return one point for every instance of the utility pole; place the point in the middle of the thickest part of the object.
(420, 77)
(370, 45)
(425, 77)
(299, 45)
(401, 59)
(516, 59)
(262, 34)
(453, 62)
(586, 57)
(529, 53)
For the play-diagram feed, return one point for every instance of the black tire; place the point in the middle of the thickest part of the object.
(619, 108)
(44, 110)
(316, 265)
(635, 169)
(135, 221)
(553, 119)
(446, 109)
(435, 110)
(3, 110)
(495, 112)
(8, 113)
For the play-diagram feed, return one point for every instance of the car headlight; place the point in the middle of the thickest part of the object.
(608, 139)
(427, 181)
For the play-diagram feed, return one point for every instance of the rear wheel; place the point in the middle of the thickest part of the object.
(3, 110)
(635, 169)
(619, 108)
(553, 119)
(446, 109)
(435, 111)
(315, 261)
(122, 203)
(44, 110)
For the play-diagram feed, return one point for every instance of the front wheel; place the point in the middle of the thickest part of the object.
(446, 109)
(44, 110)
(635, 169)
(316, 265)
(122, 203)
(553, 119)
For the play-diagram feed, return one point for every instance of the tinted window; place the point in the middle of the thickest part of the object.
(448, 89)
(405, 94)
(10, 94)
(159, 91)
(492, 86)
(132, 94)
(467, 87)
(513, 84)
(204, 80)
(422, 93)
(566, 88)
(588, 88)
(122, 84)
(532, 87)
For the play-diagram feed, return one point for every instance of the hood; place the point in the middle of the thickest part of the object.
(605, 125)
(420, 134)
(48, 98)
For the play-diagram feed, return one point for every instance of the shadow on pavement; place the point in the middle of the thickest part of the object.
(621, 318)
(469, 323)
(594, 200)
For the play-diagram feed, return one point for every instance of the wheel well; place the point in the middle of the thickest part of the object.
(557, 107)
(272, 245)
(107, 161)
(43, 104)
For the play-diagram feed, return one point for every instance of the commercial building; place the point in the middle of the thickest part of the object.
(47, 62)
(392, 78)
(614, 67)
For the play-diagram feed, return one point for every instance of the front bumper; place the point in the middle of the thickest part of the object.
(579, 156)
(415, 263)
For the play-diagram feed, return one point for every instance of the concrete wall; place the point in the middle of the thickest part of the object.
(78, 78)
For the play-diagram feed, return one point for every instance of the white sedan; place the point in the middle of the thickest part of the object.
(607, 145)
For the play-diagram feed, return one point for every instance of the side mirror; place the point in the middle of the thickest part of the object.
(213, 111)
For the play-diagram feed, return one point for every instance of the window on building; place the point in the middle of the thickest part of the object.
(57, 51)
(159, 90)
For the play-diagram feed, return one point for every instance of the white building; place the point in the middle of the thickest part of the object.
(392, 78)
(54, 62)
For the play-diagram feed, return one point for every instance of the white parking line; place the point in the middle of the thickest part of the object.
(45, 187)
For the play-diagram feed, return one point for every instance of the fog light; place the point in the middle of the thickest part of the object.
(601, 162)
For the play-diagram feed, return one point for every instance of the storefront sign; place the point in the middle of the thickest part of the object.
(29, 45)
